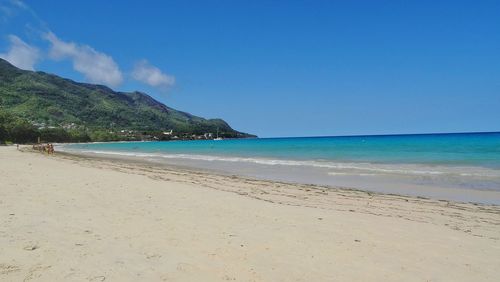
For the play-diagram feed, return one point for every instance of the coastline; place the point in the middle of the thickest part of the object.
(448, 183)
(73, 217)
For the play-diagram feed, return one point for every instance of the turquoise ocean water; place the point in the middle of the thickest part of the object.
(425, 165)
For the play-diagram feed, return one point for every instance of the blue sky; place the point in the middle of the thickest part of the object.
(278, 68)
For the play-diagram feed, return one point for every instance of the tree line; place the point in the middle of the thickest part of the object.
(18, 130)
(15, 129)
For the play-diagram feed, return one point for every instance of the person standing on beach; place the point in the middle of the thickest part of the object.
(51, 149)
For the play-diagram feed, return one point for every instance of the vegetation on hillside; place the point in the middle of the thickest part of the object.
(38, 104)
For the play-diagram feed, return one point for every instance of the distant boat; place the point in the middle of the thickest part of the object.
(218, 138)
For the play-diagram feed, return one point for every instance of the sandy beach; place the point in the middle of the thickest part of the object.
(70, 218)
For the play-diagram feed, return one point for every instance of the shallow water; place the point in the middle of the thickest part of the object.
(464, 167)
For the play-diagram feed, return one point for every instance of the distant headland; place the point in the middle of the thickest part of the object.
(40, 106)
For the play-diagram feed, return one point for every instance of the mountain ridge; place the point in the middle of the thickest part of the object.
(50, 100)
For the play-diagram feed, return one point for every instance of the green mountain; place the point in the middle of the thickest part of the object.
(48, 100)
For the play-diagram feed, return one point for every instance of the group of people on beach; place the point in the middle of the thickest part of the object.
(44, 148)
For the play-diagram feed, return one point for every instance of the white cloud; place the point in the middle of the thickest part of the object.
(151, 75)
(9, 9)
(21, 54)
(97, 67)
(19, 4)
(5, 13)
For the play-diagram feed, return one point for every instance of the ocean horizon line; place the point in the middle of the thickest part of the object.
(381, 135)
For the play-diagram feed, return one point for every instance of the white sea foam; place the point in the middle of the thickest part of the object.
(335, 168)
(346, 173)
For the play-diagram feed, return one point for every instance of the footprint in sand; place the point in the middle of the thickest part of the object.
(7, 268)
(35, 271)
(186, 267)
